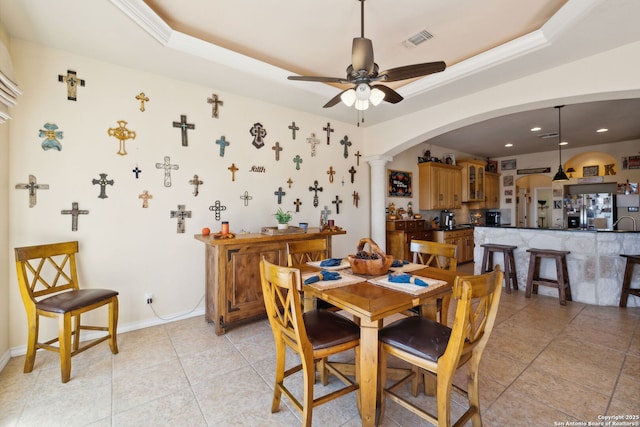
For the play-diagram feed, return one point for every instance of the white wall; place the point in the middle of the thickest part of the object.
(4, 234)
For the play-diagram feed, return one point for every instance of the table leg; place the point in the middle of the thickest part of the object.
(369, 371)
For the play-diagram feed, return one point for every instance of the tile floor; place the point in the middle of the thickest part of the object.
(545, 365)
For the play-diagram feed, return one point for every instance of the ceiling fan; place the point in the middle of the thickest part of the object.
(363, 71)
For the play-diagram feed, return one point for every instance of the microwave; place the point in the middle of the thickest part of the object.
(492, 218)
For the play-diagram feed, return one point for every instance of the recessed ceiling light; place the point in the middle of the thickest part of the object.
(508, 145)
(602, 130)
(563, 143)
(536, 129)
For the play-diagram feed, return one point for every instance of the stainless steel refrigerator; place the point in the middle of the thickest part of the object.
(590, 206)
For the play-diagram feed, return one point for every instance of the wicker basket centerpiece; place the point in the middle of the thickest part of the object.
(374, 263)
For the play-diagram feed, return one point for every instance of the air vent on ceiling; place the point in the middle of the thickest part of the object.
(418, 38)
(549, 135)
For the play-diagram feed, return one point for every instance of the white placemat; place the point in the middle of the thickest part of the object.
(345, 279)
(407, 267)
(409, 287)
(343, 264)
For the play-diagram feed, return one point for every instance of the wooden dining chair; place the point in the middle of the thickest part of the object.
(436, 350)
(303, 251)
(49, 287)
(313, 335)
(434, 254)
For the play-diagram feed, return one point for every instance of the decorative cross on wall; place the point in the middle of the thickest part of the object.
(313, 141)
(277, 149)
(233, 170)
(297, 160)
(122, 134)
(181, 214)
(331, 172)
(315, 189)
(184, 126)
(222, 143)
(142, 98)
(72, 81)
(217, 208)
(145, 196)
(51, 135)
(337, 202)
(137, 171)
(352, 171)
(345, 141)
(74, 212)
(328, 130)
(293, 128)
(358, 155)
(258, 132)
(297, 203)
(246, 197)
(167, 166)
(196, 184)
(289, 181)
(356, 198)
(32, 186)
(103, 182)
(217, 102)
(279, 193)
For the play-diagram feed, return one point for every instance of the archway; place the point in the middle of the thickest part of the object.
(534, 201)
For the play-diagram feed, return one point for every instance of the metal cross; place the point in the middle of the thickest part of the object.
(196, 184)
(331, 172)
(145, 196)
(293, 128)
(337, 202)
(223, 143)
(74, 212)
(233, 170)
(72, 82)
(356, 197)
(51, 135)
(297, 160)
(277, 149)
(32, 186)
(258, 132)
(142, 98)
(289, 181)
(103, 182)
(137, 171)
(181, 214)
(313, 141)
(246, 197)
(352, 171)
(297, 203)
(345, 141)
(217, 102)
(279, 193)
(183, 125)
(329, 130)
(315, 188)
(217, 208)
(358, 155)
(167, 166)
(122, 134)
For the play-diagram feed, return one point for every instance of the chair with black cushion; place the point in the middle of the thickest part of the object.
(436, 350)
(313, 335)
(49, 287)
(303, 251)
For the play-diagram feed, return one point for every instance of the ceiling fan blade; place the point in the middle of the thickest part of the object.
(334, 101)
(390, 95)
(318, 79)
(412, 71)
(362, 55)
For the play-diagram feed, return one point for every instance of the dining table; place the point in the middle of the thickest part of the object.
(370, 304)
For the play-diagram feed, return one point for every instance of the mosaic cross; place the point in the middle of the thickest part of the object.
(337, 202)
(277, 149)
(184, 126)
(32, 186)
(331, 172)
(233, 170)
(167, 166)
(103, 182)
(352, 171)
(145, 196)
(315, 189)
(328, 130)
(358, 155)
(196, 184)
(142, 98)
(293, 128)
(72, 81)
(279, 193)
(356, 197)
(223, 143)
(297, 203)
(122, 134)
(297, 160)
(181, 214)
(313, 141)
(137, 171)
(345, 141)
(74, 212)
(217, 102)
(217, 208)
(246, 197)
(51, 135)
(289, 181)
(258, 132)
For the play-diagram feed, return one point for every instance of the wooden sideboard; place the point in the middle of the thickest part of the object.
(401, 232)
(233, 291)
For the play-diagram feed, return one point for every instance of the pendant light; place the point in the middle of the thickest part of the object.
(560, 175)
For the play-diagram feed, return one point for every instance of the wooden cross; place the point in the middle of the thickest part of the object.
(223, 143)
(358, 155)
(32, 186)
(297, 160)
(103, 182)
(181, 214)
(313, 141)
(352, 171)
(137, 171)
(337, 202)
(122, 134)
(167, 166)
(277, 149)
(51, 135)
(279, 193)
(217, 102)
(293, 128)
(258, 132)
(72, 82)
(246, 197)
(217, 208)
(74, 212)
(331, 172)
(297, 203)
(142, 98)
(184, 126)
(329, 130)
(196, 184)
(315, 188)
(145, 196)
(345, 141)
(289, 181)
(356, 197)
(233, 170)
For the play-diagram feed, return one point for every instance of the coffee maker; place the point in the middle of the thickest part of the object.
(447, 220)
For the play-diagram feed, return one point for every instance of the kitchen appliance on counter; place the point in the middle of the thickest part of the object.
(492, 218)
(590, 206)
(447, 220)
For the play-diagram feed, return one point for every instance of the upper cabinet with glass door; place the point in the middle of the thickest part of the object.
(473, 189)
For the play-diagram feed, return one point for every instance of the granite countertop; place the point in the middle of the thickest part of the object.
(573, 230)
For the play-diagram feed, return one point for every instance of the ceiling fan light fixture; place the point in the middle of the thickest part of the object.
(363, 92)
(348, 97)
(362, 105)
(377, 96)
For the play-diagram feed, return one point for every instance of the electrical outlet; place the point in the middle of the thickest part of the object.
(148, 297)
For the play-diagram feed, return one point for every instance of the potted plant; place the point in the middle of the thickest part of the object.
(283, 218)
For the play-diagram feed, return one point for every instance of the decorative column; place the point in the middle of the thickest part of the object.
(377, 166)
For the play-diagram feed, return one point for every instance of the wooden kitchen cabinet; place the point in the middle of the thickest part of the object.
(400, 233)
(492, 190)
(440, 186)
(462, 238)
(473, 180)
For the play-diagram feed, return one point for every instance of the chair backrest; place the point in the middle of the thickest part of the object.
(280, 286)
(302, 251)
(434, 254)
(46, 269)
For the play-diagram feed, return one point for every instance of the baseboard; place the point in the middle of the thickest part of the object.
(5, 359)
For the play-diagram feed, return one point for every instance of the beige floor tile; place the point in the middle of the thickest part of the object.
(175, 409)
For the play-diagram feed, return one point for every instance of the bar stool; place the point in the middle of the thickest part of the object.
(626, 282)
(562, 274)
(510, 276)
